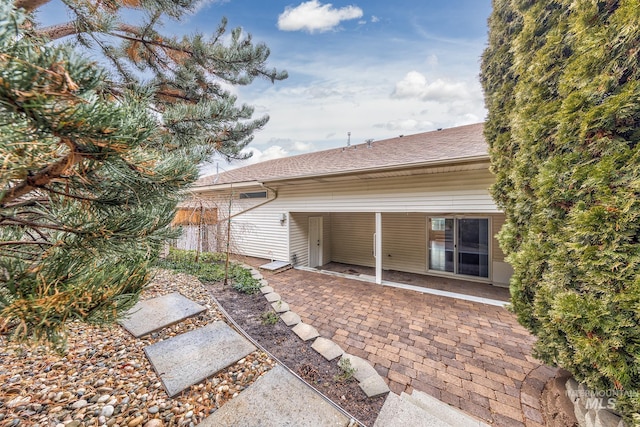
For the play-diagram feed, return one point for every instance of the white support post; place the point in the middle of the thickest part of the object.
(378, 248)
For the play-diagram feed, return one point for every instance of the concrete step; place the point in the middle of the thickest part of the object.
(447, 413)
(397, 411)
(277, 399)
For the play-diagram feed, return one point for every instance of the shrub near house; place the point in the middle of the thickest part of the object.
(562, 86)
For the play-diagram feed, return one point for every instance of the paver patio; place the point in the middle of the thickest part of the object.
(473, 356)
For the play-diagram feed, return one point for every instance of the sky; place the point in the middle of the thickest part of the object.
(358, 69)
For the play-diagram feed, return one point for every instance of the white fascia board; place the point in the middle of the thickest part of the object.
(219, 187)
(443, 162)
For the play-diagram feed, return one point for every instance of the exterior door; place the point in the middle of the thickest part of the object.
(315, 241)
(459, 245)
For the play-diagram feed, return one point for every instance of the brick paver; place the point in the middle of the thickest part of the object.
(470, 355)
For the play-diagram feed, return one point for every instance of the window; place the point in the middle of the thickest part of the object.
(254, 195)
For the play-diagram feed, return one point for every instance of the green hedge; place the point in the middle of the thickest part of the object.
(562, 87)
(210, 268)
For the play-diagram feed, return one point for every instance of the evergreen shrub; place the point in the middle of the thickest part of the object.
(562, 89)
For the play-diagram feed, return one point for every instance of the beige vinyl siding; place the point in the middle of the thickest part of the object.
(255, 225)
(347, 207)
(299, 237)
(404, 246)
(326, 248)
(352, 238)
(259, 233)
(460, 192)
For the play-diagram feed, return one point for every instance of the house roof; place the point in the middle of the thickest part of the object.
(451, 145)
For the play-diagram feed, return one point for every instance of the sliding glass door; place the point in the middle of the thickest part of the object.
(459, 245)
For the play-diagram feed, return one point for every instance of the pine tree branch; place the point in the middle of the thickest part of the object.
(29, 5)
(130, 29)
(36, 225)
(58, 31)
(25, 203)
(40, 178)
(71, 196)
(25, 242)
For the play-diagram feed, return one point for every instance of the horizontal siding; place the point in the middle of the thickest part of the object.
(462, 192)
(347, 209)
(260, 233)
(255, 223)
(352, 238)
(299, 237)
(404, 246)
(228, 201)
(327, 236)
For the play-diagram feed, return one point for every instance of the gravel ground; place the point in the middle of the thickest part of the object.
(105, 379)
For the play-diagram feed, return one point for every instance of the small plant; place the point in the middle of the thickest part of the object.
(346, 370)
(207, 269)
(243, 281)
(269, 317)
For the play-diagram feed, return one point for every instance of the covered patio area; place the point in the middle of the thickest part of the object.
(426, 282)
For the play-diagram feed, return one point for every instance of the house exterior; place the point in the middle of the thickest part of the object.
(416, 203)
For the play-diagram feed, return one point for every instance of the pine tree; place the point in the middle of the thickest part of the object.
(562, 86)
(94, 160)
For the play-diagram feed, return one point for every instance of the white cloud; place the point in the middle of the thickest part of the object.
(407, 125)
(374, 19)
(313, 16)
(415, 85)
(432, 60)
(273, 152)
(337, 96)
(303, 147)
(203, 4)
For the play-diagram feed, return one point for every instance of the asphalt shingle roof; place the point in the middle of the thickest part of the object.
(451, 144)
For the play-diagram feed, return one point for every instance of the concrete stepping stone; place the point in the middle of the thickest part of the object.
(189, 358)
(290, 318)
(363, 369)
(374, 386)
(263, 282)
(276, 266)
(368, 378)
(327, 348)
(266, 289)
(256, 275)
(156, 313)
(272, 297)
(277, 399)
(280, 306)
(305, 331)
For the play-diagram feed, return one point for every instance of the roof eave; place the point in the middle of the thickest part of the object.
(228, 186)
(431, 163)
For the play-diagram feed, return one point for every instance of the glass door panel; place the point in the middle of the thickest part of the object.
(441, 244)
(473, 247)
(459, 245)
